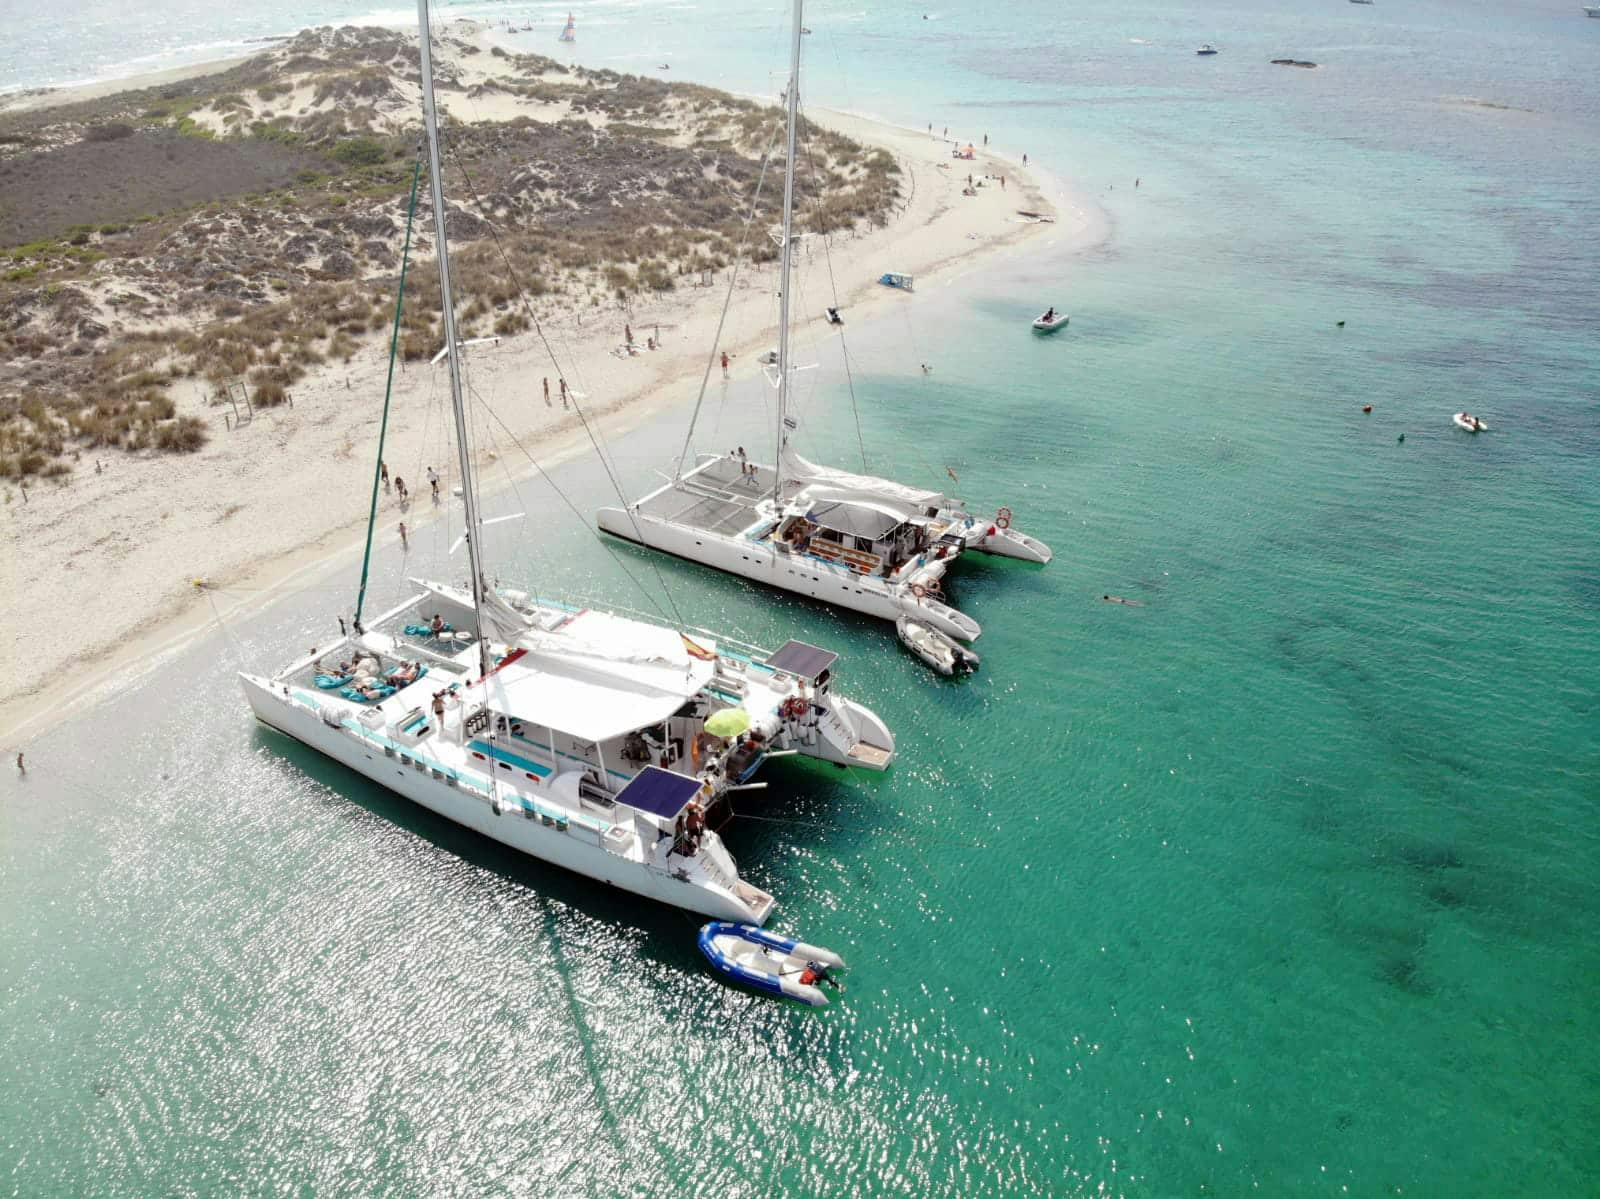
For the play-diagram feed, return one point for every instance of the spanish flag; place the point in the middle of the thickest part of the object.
(696, 650)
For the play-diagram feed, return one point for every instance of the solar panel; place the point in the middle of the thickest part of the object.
(662, 793)
(805, 661)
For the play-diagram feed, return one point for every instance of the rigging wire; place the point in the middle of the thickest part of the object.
(727, 302)
(554, 486)
(833, 289)
(538, 327)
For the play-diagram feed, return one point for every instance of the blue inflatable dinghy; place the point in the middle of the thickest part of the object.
(770, 963)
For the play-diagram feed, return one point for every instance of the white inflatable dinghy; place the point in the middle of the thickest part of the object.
(1050, 321)
(944, 653)
(1470, 423)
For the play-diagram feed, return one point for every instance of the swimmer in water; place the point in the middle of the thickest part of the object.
(1117, 599)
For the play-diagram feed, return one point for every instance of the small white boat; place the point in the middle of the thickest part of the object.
(770, 963)
(1206, 49)
(945, 654)
(1469, 422)
(1050, 321)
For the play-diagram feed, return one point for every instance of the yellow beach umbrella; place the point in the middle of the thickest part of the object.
(729, 722)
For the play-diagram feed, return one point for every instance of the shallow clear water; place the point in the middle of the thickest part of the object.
(1282, 880)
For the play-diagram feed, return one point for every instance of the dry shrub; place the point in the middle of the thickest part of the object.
(184, 435)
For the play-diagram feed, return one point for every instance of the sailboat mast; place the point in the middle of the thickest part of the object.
(788, 255)
(469, 493)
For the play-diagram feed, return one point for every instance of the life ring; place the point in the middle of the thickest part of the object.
(1003, 518)
(918, 590)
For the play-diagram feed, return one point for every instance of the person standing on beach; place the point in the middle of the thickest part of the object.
(433, 482)
(383, 470)
(627, 335)
(563, 383)
(1002, 183)
(547, 391)
(1024, 160)
(400, 489)
(405, 543)
(986, 140)
(725, 352)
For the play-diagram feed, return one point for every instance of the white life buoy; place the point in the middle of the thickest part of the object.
(1003, 518)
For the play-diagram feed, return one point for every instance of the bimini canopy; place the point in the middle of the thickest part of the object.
(866, 486)
(599, 676)
(537, 691)
(852, 514)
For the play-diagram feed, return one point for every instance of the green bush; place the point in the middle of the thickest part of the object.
(360, 152)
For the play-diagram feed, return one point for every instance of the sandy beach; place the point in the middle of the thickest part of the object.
(155, 547)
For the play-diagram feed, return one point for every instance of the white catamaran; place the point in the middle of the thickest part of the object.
(601, 743)
(862, 542)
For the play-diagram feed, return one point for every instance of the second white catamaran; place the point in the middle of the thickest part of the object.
(858, 541)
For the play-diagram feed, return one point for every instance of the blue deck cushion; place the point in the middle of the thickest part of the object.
(662, 793)
(509, 758)
(802, 660)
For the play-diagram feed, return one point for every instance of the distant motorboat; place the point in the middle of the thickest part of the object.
(1465, 420)
(1050, 321)
(1592, 12)
(1208, 48)
(1360, 1)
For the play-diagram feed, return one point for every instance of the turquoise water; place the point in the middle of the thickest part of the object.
(1282, 881)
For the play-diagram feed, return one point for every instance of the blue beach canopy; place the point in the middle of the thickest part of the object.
(662, 793)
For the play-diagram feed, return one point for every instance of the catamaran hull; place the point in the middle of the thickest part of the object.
(576, 849)
(1010, 543)
(761, 563)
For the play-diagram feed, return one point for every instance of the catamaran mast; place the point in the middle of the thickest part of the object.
(430, 117)
(793, 97)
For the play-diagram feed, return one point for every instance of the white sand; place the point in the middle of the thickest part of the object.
(101, 568)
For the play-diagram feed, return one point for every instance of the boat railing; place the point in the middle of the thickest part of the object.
(858, 561)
